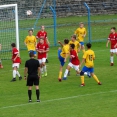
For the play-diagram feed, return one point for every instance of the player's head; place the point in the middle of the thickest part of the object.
(66, 41)
(113, 29)
(42, 27)
(81, 24)
(30, 31)
(13, 45)
(73, 37)
(72, 46)
(88, 45)
(41, 40)
(31, 54)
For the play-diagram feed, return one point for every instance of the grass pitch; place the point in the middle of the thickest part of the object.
(62, 99)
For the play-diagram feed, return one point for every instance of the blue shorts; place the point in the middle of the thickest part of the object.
(82, 43)
(86, 69)
(33, 51)
(61, 59)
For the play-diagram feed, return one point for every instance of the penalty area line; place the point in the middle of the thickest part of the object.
(66, 98)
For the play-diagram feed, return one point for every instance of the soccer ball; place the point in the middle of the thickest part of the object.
(29, 12)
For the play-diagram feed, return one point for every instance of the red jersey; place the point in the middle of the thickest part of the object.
(74, 57)
(42, 34)
(14, 54)
(42, 47)
(113, 39)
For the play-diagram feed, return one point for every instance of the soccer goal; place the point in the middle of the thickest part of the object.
(9, 32)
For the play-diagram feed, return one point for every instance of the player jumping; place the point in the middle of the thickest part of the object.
(62, 55)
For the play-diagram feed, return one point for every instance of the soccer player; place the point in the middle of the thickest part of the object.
(43, 35)
(31, 42)
(74, 63)
(42, 49)
(16, 62)
(32, 68)
(81, 33)
(1, 66)
(113, 41)
(88, 58)
(62, 55)
(77, 46)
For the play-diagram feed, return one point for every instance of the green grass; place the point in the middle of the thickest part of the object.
(66, 98)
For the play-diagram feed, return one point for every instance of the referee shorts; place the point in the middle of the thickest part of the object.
(32, 80)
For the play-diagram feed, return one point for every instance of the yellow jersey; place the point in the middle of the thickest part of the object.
(30, 42)
(89, 56)
(77, 45)
(80, 32)
(65, 50)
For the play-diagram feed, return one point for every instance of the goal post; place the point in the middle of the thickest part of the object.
(9, 29)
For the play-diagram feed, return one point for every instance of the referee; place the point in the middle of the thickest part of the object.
(32, 68)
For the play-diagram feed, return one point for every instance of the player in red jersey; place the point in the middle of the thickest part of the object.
(42, 49)
(74, 63)
(113, 41)
(43, 35)
(16, 62)
(1, 66)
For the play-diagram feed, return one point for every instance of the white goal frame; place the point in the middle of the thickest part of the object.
(16, 21)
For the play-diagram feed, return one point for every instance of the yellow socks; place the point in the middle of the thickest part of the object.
(60, 75)
(82, 79)
(96, 79)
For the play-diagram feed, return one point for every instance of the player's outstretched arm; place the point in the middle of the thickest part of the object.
(60, 43)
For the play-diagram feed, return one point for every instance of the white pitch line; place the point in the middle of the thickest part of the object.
(72, 97)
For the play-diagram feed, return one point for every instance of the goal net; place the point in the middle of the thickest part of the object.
(8, 29)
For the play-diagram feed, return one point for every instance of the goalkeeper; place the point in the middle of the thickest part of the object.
(1, 66)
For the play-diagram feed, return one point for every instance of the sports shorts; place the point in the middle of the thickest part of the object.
(32, 80)
(86, 69)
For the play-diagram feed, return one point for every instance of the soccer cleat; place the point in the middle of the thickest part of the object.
(20, 78)
(59, 79)
(38, 100)
(47, 61)
(99, 83)
(68, 73)
(111, 64)
(30, 101)
(45, 74)
(14, 79)
(64, 78)
(82, 85)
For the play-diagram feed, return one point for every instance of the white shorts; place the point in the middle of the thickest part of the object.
(76, 67)
(43, 60)
(113, 50)
(15, 65)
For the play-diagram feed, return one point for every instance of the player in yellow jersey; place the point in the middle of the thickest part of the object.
(76, 43)
(31, 42)
(88, 58)
(81, 33)
(62, 55)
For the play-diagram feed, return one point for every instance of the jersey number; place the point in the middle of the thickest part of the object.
(91, 57)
